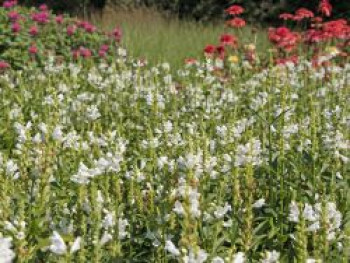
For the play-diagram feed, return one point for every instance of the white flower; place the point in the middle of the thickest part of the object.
(12, 169)
(314, 227)
(83, 175)
(220, 212)
(294, 212)
(217, 260)
(171, 248)
(76, 245)
(260, 203)
(239, 257)
(199, 257)
(309, 213)
(105, 238)
(57, 134)
(271, 257)
(57, 244)
(178, 208)
(6, 253)
(122, 224)
(92, 113)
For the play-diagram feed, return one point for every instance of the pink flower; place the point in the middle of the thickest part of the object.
(33, 50)
(9, 4)
(71, 30)
(41, 17)
(15, 27)
(13, 16)
(4, 65)
(85, 52)
(104, 48)
(102, 53)
(43, 7)
(33, 31)
(76, 54)
(59, 19)
(117, 34)
(89, 28)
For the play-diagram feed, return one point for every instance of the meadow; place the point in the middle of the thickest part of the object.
(238, 154)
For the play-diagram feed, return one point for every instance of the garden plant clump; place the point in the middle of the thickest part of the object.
(233, 159)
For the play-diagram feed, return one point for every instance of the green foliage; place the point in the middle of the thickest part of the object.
(262, 10)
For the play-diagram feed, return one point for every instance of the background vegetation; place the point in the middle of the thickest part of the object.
(262, 10)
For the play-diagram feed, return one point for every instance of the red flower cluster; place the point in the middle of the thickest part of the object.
(325, 8)
(283, 38)
(300, 14)
(236, 21)
(234, 10)
(332, 30)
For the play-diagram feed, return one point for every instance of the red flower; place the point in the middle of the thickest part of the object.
(33, 31)
(33, 50)
(236, 22)
(209, 50)
(221, 51)
(190, 61)
(336, 29)
(292, 59)
(228, 40)
(302, 13)
(325, 8)
(286, 16)
(283, 38)
(234, 10)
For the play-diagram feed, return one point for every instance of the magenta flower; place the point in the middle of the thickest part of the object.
(4, 65)
(71, 30)
(104, 48)
(33, 50)
(9, 4)
(85, 52)
(43, 7)
(117, 34)
(15, 27)
(41, 17)
(13, 16)
(33, 31)
(59, 19)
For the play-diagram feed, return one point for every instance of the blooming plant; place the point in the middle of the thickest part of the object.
(106, 159)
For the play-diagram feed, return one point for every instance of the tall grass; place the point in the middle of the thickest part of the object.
(157, 37)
